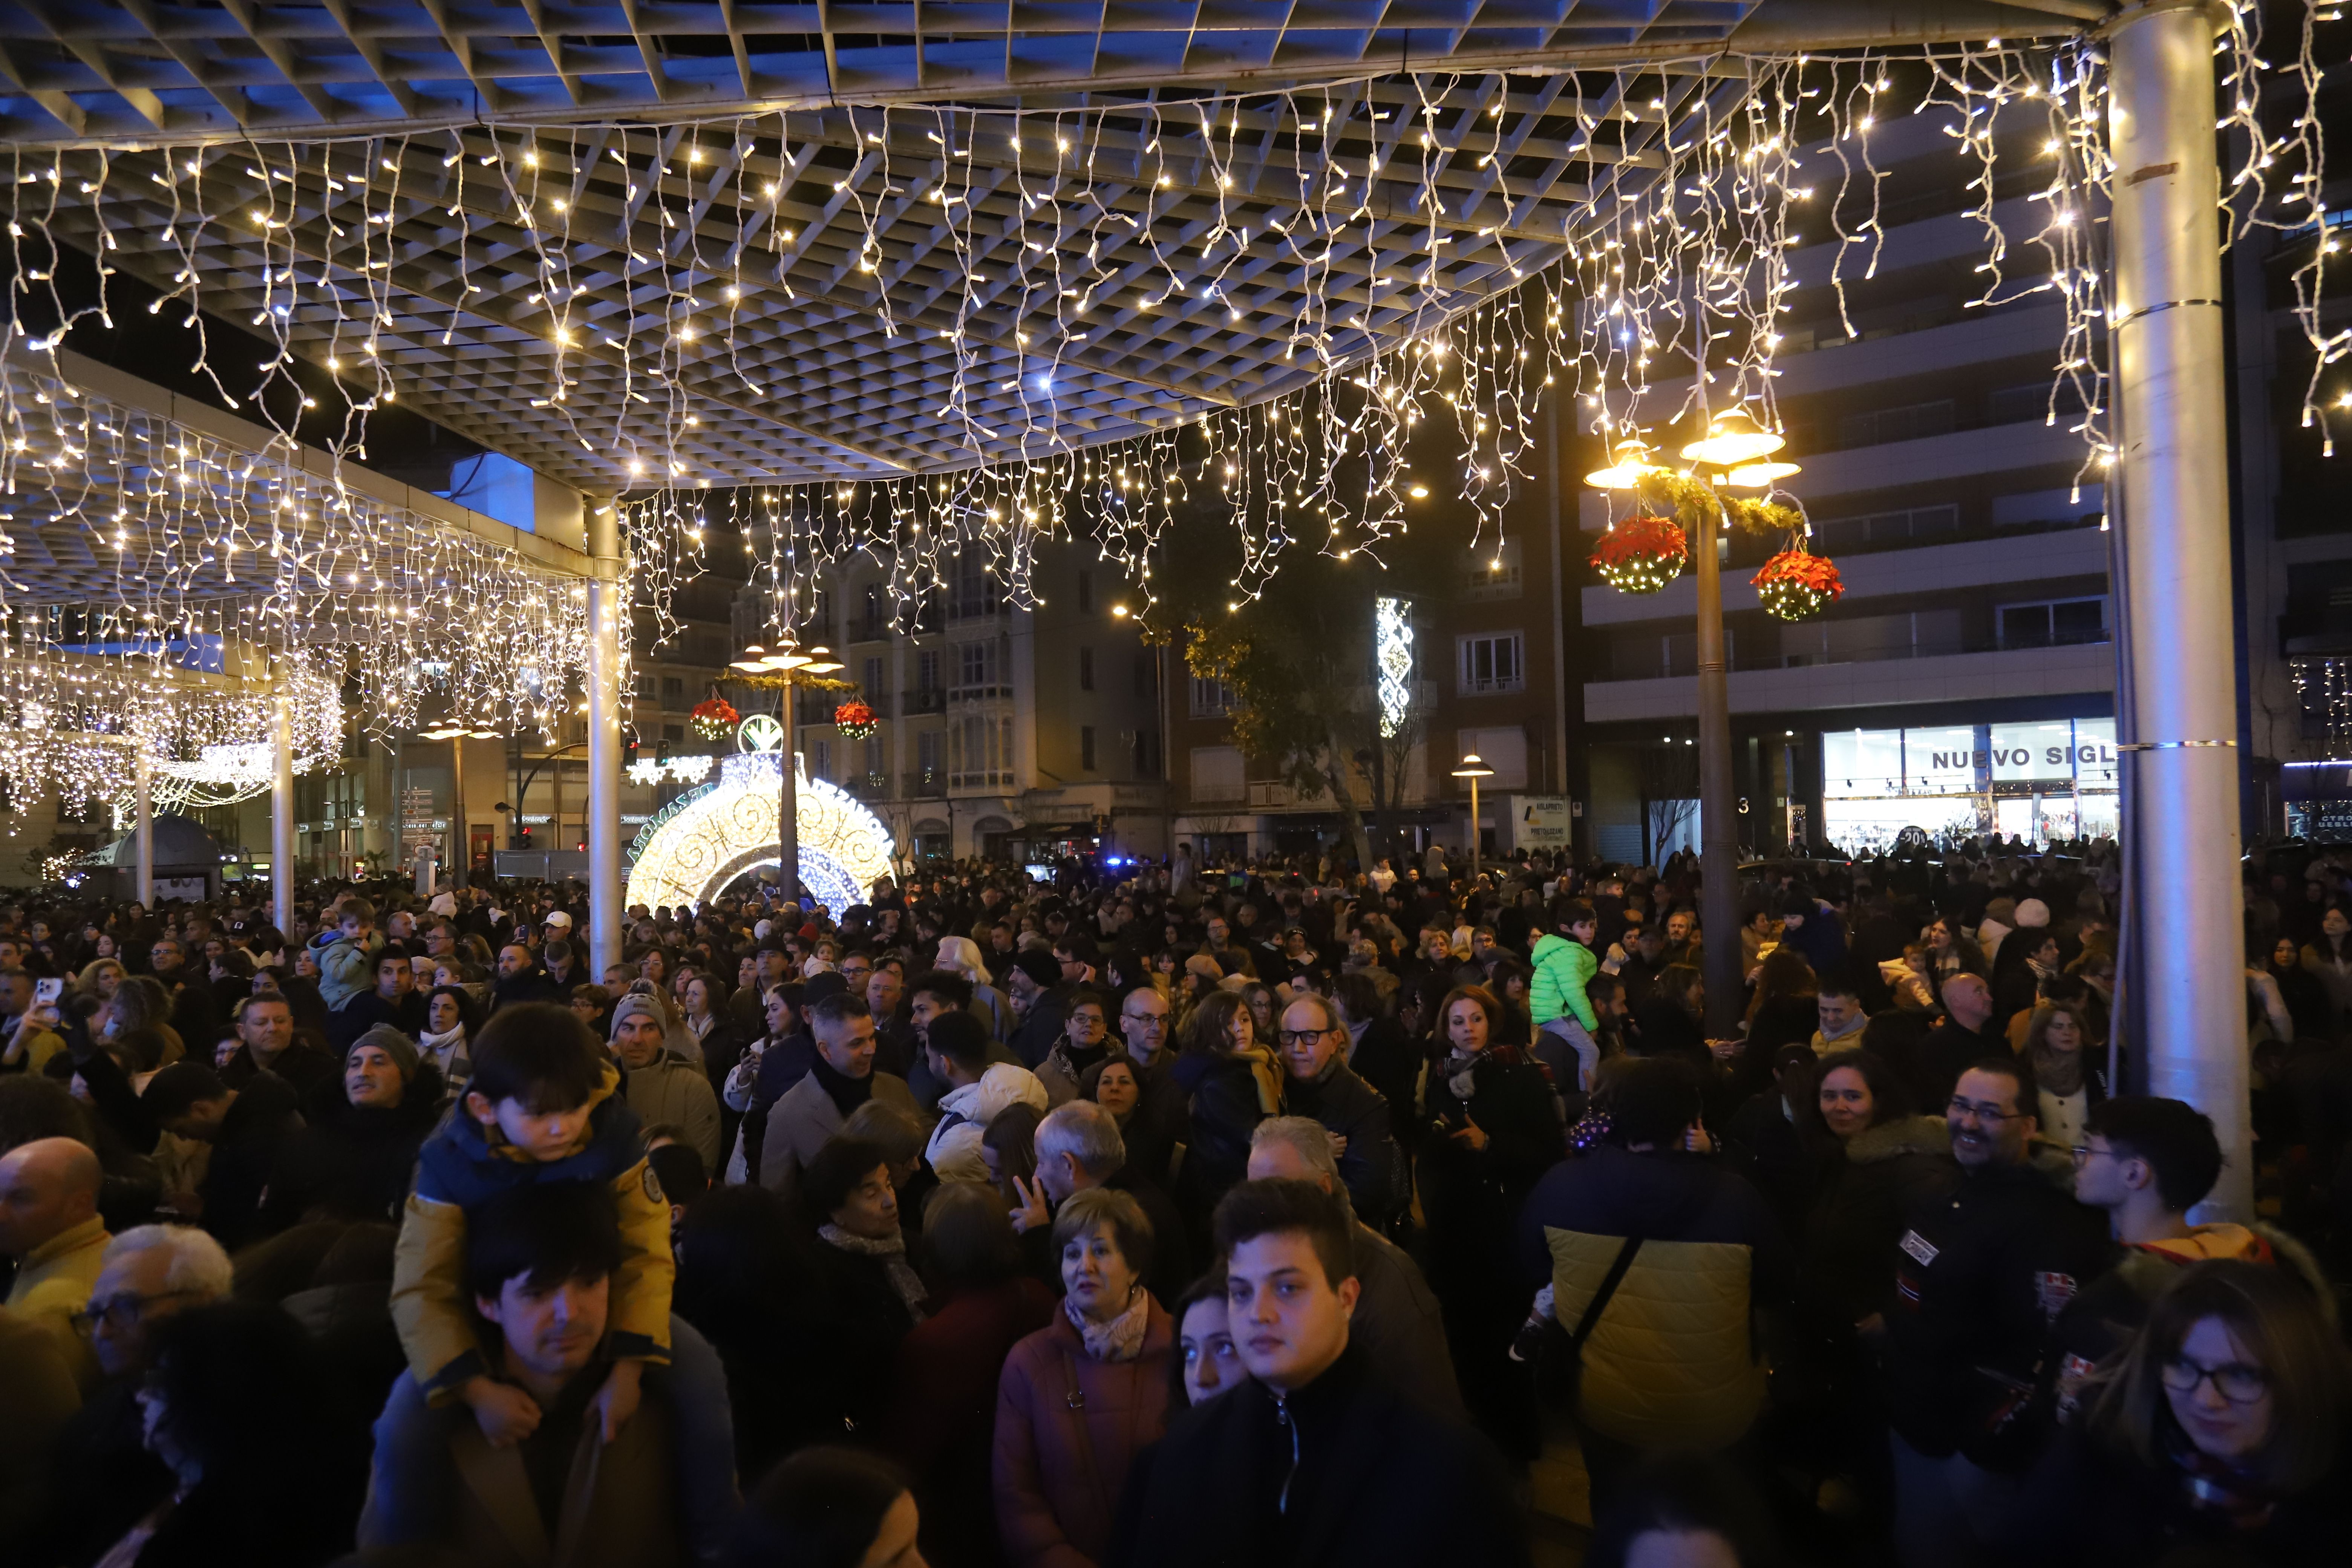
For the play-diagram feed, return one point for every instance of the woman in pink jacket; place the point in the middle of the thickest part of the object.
(1081, 1396)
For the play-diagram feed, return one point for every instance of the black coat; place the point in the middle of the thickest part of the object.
(1980, 1273)
(1377, 1480)
(350, 1162)
(1762, 1144)
(1387, 1058)
(244, 1153)
(1372, 1167)
(1466, 1193)
(2088, 1505)
(1868, 1191)
(868, 1320)
(1226, 1110)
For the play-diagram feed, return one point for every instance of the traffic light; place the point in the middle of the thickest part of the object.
(629, 752)
(661, 749)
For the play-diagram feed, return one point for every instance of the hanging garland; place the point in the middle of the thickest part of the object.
(1796, 584)
(1694, 501)
(715, 719)
(1641, 554)
(854, 720)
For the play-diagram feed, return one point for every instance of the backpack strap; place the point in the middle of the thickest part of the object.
(1590, 1320)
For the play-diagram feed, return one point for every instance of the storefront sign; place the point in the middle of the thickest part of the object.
(1536, 822)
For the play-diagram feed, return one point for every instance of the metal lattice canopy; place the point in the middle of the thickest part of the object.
(803, 237)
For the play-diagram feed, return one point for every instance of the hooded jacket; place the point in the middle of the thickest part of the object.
(964, 1115)
(463, 1165)
(346, 968)
(1562, 968)
(1672, 1361)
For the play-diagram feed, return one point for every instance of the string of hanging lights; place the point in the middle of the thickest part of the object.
(926, 332)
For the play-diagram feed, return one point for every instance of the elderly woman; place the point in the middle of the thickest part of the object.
(1081, 1396)
(354, 1158)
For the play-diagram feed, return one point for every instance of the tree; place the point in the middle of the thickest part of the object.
(1298, 659)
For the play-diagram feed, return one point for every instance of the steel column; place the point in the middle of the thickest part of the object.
(608, 604)
(282, 814)
(144, 832)
(1718, 825)
(2179, 711)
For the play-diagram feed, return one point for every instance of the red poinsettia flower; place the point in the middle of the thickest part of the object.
(714, 718)
(1796, 583)
(854, 719)
(1641, 554)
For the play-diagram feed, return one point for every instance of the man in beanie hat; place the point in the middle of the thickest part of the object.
(356, 1152)
(1033, 980)
(661, 1086)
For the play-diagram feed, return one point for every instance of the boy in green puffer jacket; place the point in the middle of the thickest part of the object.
(1564, 964)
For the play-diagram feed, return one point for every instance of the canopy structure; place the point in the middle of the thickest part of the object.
(821, 242)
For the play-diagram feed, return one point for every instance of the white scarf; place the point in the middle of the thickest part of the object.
(1120, 1340)
(443, 1050)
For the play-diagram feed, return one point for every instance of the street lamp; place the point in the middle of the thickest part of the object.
(461, 862)
(1734, 454)
(784, 668)
(1474, 770)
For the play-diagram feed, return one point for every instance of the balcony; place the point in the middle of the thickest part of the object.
(958, 694)
(981, 781)
(976, 607)
(932, 699)
(923, 783)
(1958, 676)
(868, 786)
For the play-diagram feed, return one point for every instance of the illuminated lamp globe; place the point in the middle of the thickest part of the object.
(1759, 476)
(1629, 460)
(1731, 440)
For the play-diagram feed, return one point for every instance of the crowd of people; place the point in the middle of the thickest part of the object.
(1254, 1213)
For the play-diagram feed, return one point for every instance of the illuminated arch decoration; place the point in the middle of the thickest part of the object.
(729, 828)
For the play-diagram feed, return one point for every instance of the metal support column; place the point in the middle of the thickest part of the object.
(146, 830)
(461, 858)
(607, 596)
(1718, 822)
(281, 815)
(2178, 711)
(788, 803)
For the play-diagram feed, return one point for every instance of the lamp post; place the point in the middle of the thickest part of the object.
(1474, 768)
(461, 862)
(1734, 454)
(784, 669)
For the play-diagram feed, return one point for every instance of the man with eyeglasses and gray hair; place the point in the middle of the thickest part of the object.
(104, 1479)
(1981, 1277)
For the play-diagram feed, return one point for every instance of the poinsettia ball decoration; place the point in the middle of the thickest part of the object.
(854, 720)
(715, 719)
(1796, 584)
(1641, 554)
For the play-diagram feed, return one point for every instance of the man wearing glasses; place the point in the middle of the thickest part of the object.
(1160, 1118)
(103, 1478)
(1982, 1276)
(2145, 1162)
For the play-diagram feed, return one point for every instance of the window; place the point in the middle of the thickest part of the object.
(1217, 774)
(2058, 623)
(1503, 748)
(873, 757)
(926, 749)
(821, 759)
(1494, 575)
(1085, 593)
(873, 679)
(976, 664)
(673, 691)
(1147, 675)
(1086, 670)
(1087, 747)
(1493, 661)
(1212, 699)
(1877, 427)
(645, 688)
(1915, 525)
(673, 731)
(927, 671)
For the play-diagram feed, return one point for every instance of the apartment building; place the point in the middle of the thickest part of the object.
(1008, 733)
(1965, 681)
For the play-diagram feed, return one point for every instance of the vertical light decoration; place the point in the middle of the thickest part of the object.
(1392, 647)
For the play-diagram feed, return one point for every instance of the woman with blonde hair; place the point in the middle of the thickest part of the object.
(960, 955)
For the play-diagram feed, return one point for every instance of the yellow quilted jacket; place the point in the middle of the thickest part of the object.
(1673, 1363)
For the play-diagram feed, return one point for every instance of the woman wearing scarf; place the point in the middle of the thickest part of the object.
(874, 1292)
(1490, 1132)
(449, 1025)
(2068, 1080)
(1235, 1083)
(960, 955)
(1082, 1396)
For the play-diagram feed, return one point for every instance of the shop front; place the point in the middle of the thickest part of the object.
(2041, 782)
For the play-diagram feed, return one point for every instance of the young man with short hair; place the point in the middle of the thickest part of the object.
(1316, 1459)
(839, 1081)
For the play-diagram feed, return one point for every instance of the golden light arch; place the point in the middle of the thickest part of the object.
(701, 842)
